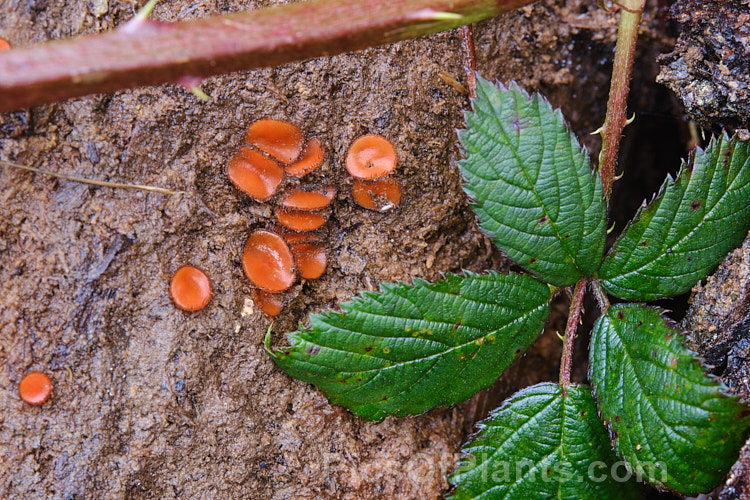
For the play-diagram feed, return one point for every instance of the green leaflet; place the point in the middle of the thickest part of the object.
(542, 444)
(688, 229)
(410, 348)
(671, 422)
(531, 182)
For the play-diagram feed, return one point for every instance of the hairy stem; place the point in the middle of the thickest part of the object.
(574, 317)
(627, 34)
(601, 296)
(146, 52)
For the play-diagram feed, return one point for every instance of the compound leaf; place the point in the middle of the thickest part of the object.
(675, 425)
(412, 347)
(532, 185)
(543, 443)
(683, 234)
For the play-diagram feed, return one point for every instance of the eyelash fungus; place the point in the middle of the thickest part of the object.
(270, 261)
(371, 157)
(282, 140)
(311, 158)
(380, 194)
(35, 388)
(190, 289)
(311, 260)
(255, 174)
(370, 160)
(4, 44)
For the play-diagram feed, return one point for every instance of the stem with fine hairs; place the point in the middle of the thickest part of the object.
(616, 119)
(144, 52)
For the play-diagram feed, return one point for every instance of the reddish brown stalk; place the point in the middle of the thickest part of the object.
(150, 53)
(469, 58)
(574, 317)
(614, 123)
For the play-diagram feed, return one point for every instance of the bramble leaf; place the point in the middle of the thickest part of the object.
(675, 425)
(542, 443)
(533, 189)
(412, 347)
(683, 234)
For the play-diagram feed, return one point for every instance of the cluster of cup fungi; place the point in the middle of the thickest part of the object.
(273, 259)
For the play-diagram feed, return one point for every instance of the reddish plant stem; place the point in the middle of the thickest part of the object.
(614, 123)
(150, 53)
(574, 317)
(469, 58)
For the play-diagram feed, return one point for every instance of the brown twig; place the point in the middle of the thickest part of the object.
(151, 52)
(83, 180)
(469, 57)
(576, 306)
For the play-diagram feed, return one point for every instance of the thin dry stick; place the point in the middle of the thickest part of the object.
(469, 58)
(150, 52)
(116, 185)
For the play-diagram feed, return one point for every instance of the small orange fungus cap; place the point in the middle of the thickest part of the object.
(35, 388)
(312, 158)
(311, 260)
(380, 195)
(190, 289)
(4, 44)
(309, 200)
(300, 221)
(294, 238)
(267, 262)
(269, 303)
(371, 157)
(282, 140)
(254, 174)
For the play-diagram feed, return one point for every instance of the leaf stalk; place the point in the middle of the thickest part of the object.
(616, 119)
(571, 328)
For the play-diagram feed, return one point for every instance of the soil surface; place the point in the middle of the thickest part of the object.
(152, 402)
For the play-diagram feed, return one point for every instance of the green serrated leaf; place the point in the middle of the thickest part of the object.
(533, 189)
(410, 348)
(681, 236)
(675, 425)
(543, 444)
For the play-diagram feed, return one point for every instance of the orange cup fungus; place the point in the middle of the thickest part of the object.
(190, 289)
(269, 303)
(254, 174)
(282, 140)
(268, 262)
(380, 194)
(371, 157)
(299, 221)
(35, 388)
(311, 260)
(4, 44)
(312, 158)
(308, 200)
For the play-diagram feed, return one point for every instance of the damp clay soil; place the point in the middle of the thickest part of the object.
(153, 402)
